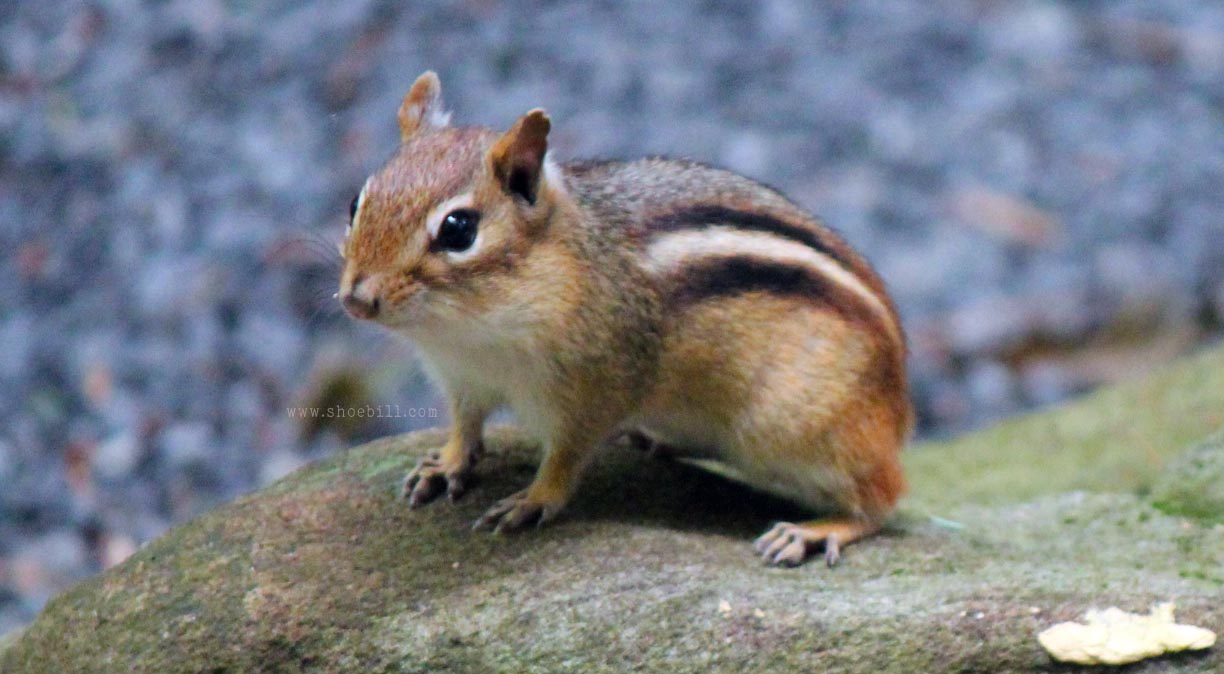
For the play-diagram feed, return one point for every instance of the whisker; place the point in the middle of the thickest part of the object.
(310, 256)
(322, 310)
(306, 248)
(321, 301)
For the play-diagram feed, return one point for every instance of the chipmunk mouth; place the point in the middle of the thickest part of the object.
(404, 310)
(360, 298)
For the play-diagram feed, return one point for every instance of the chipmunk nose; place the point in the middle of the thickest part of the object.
(359, 300)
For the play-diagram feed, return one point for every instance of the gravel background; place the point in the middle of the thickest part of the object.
(1040, 183)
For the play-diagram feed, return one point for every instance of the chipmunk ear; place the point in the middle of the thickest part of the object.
(518, 156)
(422, 107)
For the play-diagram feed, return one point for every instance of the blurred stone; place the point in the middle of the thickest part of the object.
(7, 461)
(46, 563)
(1064, 315)
(116, 456)
(747, 152)
(985, 325)
(98, 385)
(327, 403)
(1045, 382)
(77, 459)
(115, 549)
(894, 133)
(163, 285)
(185, 442)
(273, 341)
(991, 385)
(1152, 41)
(1139, 273)
(279, 464)
(32, 259)
(1204, 50)
(950, 408)
(244, 401)
(17, 338)
(11, 618)
(1035, 30)
(1006, 216)
(1217, 301)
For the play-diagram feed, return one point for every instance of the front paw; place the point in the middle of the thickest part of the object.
(431, 477)
(515, 512)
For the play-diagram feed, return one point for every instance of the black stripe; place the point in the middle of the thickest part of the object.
(739, 274)
(699, 217)
(722, 276)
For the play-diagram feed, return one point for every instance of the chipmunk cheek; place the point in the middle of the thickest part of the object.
(406, 305)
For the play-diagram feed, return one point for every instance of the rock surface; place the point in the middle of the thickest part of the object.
(1006, 532)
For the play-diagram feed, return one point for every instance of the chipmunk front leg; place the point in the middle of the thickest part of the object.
(450, 468)
(554, 483)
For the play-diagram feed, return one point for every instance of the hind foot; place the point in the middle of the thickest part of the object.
(788, 544)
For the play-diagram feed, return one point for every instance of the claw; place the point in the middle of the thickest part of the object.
(776, 547)
(832, 550)
(766, 538)
(515, 513)
(789, 544)
(456, 487)
(493, 515)
(518, 517)
(429, 479)
(782, 545)
(425, 491)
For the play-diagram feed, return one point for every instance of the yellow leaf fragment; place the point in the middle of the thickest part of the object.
(1116, 637)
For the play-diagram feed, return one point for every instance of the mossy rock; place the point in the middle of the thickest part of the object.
(651, 569)
(1193, 484)
(9, 639)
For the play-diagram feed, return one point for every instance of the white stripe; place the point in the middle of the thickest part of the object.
(670, 252)
(433, 222)
(360, 203)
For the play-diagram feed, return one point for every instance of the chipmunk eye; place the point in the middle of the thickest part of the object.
(353, 207)
(458, 230)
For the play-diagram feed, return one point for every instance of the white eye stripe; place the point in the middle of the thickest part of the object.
(357, 211)
(434, 221)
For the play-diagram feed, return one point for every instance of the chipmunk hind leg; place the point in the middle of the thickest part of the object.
(853, 467)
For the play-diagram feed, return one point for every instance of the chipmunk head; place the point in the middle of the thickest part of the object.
(435, 232)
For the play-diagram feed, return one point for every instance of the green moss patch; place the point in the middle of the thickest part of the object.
(1193, 483)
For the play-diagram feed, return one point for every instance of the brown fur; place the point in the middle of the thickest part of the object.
(790, 378)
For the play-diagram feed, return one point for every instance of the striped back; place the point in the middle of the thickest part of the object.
(712, 250)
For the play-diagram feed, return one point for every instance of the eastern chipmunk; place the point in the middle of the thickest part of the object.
(685, 303)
